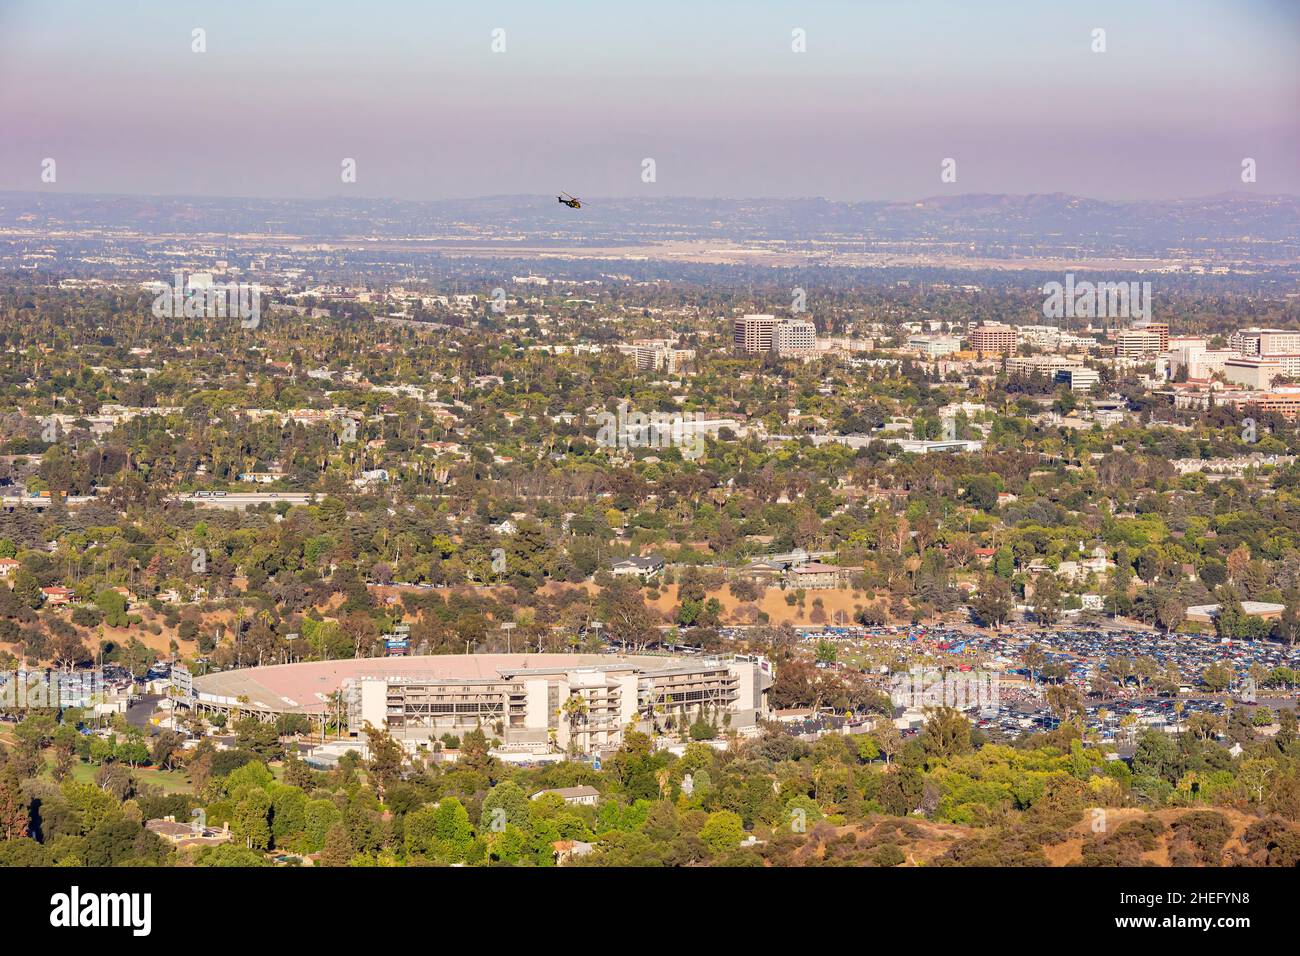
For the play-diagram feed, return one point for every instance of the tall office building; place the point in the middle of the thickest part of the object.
(1160, 330)
(753, 333)
(661, 356)
(993, 337)
(1140, 343)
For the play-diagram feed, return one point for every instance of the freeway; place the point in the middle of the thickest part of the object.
(10, 502)
(236, 500)
(790, 557)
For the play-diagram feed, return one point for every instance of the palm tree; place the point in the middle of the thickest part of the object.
(575, 709)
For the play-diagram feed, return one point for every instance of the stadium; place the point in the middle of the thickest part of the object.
(530, 702)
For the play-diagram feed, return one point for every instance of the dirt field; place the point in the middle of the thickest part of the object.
(837, 605)
(1063, 854)
(829, 606)
(932, 839)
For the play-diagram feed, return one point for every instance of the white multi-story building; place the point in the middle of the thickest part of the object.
(1050, 338)
(1080, 378)
(795, 337)
(1047, 365)
(1253, 372)
(933, 346)
(845, 343)
(1265, 342)
(1200, 361)
(1140, 342)
(661, 357)
(1274, 347)
(1059, 368)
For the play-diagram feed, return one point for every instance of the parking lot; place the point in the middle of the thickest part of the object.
(1077, 657)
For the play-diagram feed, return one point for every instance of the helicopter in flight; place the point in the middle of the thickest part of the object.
(573, 202)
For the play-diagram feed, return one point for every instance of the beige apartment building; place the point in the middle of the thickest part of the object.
(992, 337)
(1141, 343)
(753, 333)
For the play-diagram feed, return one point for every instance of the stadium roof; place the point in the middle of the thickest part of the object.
(305, 687)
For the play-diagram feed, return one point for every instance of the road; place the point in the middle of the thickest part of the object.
(237, 500)
(10, 502)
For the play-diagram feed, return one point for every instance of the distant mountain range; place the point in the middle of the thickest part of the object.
(1238, 227)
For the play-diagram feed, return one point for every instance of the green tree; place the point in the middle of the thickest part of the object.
(504, 804)
(251, 822)
(722, 831)
(441, 832)
(1170, 609)
(1218, 676)
(1047, 599)
(453, 830)
(386, 758)
(993, 602)
(338, 847)
(113, 606)
(946, 733)
(258, 738)
(15, 815)
(27, 589)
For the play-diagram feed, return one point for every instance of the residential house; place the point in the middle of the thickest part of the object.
(566, 850)
(765, 572)
(815, 575)
(647, 568)
(188, 834)
(56, 595)
(583, 796)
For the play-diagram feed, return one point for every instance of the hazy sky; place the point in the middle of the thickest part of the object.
(711, 90)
